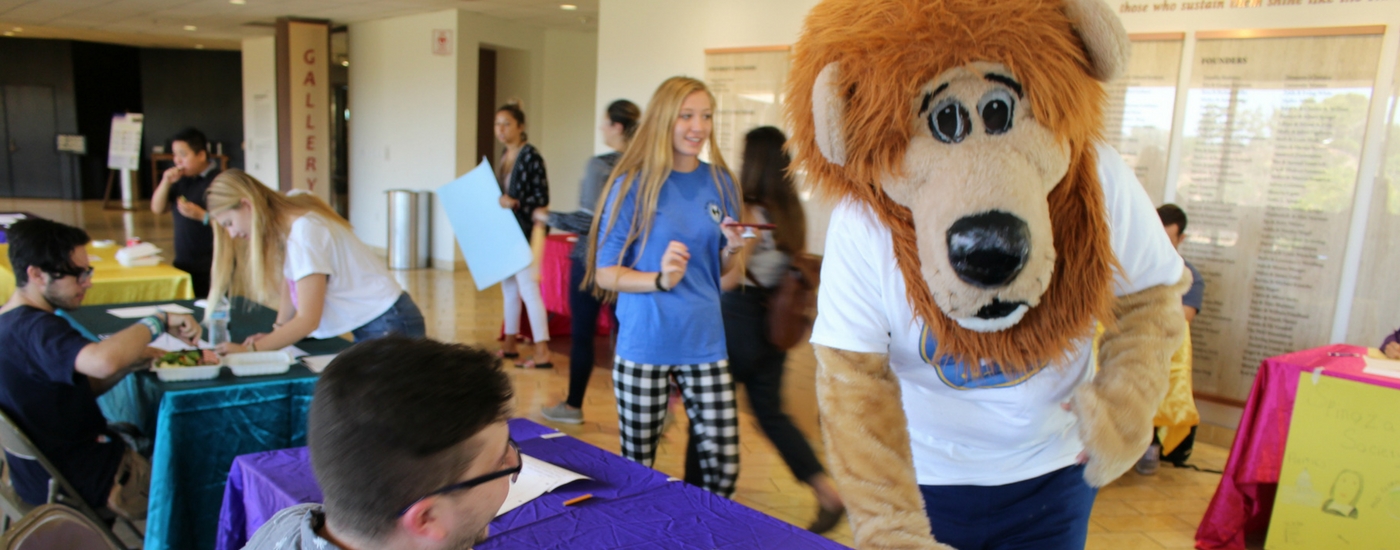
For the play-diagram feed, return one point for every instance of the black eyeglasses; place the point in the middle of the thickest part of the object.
(514, 474)
(83, 275)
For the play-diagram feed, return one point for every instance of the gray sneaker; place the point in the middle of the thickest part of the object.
(1150, 461)
(562, 413)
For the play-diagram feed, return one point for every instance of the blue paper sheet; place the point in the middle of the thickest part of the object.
(488, 235)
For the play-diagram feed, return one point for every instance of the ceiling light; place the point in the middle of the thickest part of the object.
(345, 63)
(199, 46)
(568, 7)
(191, 28)
(18, 29)
(9, 33)
(238, 2)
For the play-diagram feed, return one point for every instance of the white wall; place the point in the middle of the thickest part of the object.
(413, 114)
(260, 108)
(570, 119)
(403, 112)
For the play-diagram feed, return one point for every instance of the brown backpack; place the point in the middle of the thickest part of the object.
(792, 305)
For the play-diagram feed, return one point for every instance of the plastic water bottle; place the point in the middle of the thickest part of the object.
(218, 324)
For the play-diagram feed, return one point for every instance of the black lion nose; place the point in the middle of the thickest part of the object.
(988, 250)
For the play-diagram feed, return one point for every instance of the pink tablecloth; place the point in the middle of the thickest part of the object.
(554, 288)
(1245, 497)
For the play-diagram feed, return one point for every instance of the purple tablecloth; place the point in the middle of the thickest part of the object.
(632, 506)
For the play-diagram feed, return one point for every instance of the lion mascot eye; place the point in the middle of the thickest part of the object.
(949, 121)
(997, 108)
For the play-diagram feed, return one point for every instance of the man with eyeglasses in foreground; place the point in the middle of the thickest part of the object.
(50, 375)
(409, 445)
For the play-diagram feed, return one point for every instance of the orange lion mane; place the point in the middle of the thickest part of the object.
(887, 49)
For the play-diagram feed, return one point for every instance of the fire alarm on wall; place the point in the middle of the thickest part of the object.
(442, 42)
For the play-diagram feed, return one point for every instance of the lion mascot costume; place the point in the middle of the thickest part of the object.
(981, 231)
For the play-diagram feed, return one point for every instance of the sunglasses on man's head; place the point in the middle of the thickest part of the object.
(513, 472)
(82, 275)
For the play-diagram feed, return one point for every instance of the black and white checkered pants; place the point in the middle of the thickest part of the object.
(709, 402)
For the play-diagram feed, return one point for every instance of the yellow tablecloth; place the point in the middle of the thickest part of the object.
(114, 284)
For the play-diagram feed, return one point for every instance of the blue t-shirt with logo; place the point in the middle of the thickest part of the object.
(683, 326)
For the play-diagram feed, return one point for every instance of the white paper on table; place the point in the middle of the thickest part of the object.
(488, 235)
(536, 478)
(138, 312)
(171, 343)
(1382, 367)
(317, 363)
(7, 220)
(295, 352)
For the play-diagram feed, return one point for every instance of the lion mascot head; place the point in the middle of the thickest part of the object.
(968, 126)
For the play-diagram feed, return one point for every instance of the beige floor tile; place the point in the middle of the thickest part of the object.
(1144, 523)
(1174, 539)
(1121, 541)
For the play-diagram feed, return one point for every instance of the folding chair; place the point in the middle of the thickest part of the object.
(57, 526)
(60, 491)
(11, 504)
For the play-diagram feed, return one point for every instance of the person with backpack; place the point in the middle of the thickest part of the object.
(750, 305)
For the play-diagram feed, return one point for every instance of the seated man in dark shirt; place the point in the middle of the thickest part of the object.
(409, 444)
(50, 375)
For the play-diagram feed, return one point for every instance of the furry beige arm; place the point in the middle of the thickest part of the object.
(867, 442)
(1115, 410)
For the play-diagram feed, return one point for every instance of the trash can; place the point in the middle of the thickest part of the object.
(409, 226)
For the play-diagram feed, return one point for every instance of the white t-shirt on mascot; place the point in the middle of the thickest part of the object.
(995, 430)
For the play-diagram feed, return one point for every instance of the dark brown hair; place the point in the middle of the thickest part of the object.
(387, 421)
(1172, 214)
(765, 181)
(627, 114)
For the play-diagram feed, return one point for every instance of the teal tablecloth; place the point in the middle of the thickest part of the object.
(200, 426)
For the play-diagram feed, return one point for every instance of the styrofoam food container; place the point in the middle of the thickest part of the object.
(183, 374)
(259, 363)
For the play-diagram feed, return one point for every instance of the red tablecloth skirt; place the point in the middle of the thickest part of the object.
(554, 288)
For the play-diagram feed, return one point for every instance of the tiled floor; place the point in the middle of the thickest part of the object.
(1134, 512)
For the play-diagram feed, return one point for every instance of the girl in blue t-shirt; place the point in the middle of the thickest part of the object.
(662, 243)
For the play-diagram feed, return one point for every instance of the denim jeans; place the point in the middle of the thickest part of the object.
(583, 308)
(402, 318)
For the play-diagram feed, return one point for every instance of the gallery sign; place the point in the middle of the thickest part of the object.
(303, 101)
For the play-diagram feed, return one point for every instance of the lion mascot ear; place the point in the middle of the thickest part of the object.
(1105, 42)
(1104, 38)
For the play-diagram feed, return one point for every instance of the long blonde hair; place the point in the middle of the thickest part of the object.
(647, 163)
(254, 268)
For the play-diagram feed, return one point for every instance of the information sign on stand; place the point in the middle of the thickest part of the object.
(1271, 145)
(124, 156)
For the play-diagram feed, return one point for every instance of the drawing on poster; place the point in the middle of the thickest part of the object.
(1346, 492)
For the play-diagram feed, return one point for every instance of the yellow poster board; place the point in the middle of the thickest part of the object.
(1340, 482)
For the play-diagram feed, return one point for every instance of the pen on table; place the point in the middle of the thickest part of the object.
(578, 499)
(1343, 354)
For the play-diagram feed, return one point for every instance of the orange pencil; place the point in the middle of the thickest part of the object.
(577, 500)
